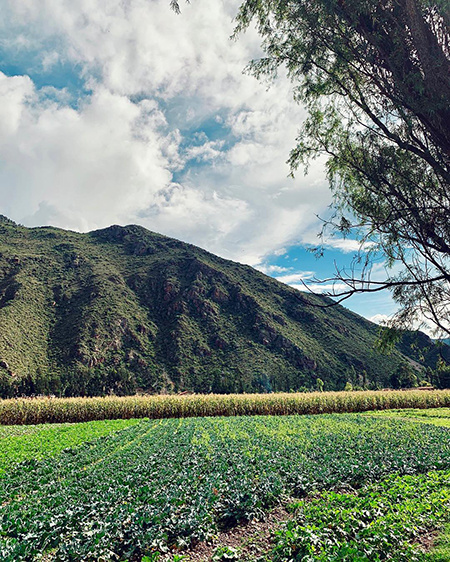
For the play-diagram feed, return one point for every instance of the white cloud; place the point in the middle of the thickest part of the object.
(271, 269)
(381, 319)
(155, 78)
(14, 92)
(330, 242)
(88, 168)
(346, 245)
(296, 277)
(183, 210)
(142, 46)
(422, 323)
(206, 152)
(321, 288)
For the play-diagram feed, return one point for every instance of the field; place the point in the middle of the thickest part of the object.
(436, 416)
(359, 487)
(19, 443)
(60, 410)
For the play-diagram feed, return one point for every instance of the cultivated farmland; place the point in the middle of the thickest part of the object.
(163, 485)
(18, 443)
(60, 410)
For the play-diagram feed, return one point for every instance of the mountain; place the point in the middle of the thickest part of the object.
(123, 309)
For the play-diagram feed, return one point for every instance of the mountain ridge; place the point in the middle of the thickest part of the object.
(123, 309)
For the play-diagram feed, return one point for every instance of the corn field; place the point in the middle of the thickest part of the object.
(20, 411)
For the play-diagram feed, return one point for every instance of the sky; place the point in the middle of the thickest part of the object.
(123, 112)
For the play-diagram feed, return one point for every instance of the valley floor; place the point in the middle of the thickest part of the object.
(373, 486)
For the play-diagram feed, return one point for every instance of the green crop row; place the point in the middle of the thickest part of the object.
(436, 416)
(161, 485)
(19, 443)
(59, 410)
(383, 521)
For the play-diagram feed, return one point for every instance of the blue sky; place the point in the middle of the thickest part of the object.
(123, 112)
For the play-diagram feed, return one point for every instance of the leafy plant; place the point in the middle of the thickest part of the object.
(154, 557)
(20, 443)
(223, 553)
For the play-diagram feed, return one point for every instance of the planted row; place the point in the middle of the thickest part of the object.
(59, 410)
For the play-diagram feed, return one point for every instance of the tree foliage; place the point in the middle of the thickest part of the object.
(404, 376)
(375, 78)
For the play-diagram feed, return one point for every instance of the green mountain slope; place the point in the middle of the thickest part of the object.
(124, 309)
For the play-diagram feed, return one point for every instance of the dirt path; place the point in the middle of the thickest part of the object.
(250, 541)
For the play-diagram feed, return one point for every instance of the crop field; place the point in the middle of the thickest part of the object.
(388, 520)
(59, 410)
(18, 443)
(435, 416)
(154, 489)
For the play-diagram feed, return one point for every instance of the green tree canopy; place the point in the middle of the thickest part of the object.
(375, 78)
(404, 377)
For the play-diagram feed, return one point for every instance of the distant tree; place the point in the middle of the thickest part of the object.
(441, 376)
(375, 79)
(404, 376)
(348, 387)
(319, 385)
(428, 377)
(5, 386)
(365, 378)
(263, 383)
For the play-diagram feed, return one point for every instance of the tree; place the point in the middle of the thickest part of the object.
(441, 376)
(375, 79)
(403, 377)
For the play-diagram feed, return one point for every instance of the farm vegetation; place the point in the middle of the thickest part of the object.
(59, 410)
(160, 486)
(18, 443)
